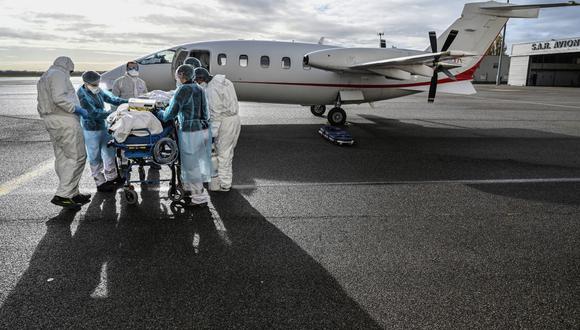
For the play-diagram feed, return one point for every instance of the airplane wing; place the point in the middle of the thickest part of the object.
(413, 60)
(403, 67)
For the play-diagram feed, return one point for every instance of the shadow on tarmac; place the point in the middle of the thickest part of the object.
(150, 268)
(389, 150)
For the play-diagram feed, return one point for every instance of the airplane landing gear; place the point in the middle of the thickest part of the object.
(318, 110)
(337, 116)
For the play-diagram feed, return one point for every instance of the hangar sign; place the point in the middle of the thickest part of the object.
(556, 44)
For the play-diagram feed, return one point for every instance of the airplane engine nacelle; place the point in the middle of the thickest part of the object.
(342, 59)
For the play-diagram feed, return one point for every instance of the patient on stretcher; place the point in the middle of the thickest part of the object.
(124, 122)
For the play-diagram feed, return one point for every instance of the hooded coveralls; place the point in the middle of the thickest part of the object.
(56, 106)
(190, 107)
(127, 87)
(223, 106)
(101, 158)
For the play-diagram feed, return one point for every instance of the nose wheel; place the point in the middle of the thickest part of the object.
(337, 117)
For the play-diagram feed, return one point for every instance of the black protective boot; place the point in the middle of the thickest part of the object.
(82, 198)
(67, 203)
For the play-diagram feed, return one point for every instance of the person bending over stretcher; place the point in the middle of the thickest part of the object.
(101, 158)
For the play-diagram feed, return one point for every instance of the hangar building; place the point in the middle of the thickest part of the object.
(546, 63)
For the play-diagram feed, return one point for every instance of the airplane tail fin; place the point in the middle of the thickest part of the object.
(480, 23)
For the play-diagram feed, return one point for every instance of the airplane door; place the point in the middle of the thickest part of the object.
(202, 56)
(178, 60)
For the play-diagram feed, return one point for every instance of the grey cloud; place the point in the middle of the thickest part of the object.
(7, 33)
(255, 6)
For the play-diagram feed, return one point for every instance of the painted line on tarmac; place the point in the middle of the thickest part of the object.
(18, 182)
(354, 183)
(428, 182)
(529, 102)
(219, 224)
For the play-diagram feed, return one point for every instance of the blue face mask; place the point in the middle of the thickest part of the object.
(178, 84)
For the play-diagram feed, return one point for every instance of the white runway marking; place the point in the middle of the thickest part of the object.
(219, 225)
(428, 182)
(101, 291)
(18, 182)
(529, 102)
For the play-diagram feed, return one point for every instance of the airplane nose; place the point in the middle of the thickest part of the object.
(306, 60)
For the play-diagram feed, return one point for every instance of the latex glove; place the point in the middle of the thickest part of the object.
(81, 112)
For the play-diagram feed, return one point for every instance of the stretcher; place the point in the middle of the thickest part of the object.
(147, 151)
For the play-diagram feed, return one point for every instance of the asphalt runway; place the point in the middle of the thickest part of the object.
(461, 214)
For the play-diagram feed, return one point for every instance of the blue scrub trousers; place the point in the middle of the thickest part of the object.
(101, 158)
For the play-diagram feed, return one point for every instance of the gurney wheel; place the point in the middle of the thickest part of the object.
(165, 151)
(177, 208)
(176, 193)
(131, 196)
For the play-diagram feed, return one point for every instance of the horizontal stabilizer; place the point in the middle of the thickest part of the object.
(520, 11)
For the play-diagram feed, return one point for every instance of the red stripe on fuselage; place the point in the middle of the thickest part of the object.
(463, 76)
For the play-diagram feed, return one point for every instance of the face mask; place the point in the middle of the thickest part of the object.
(133, 73)
(178, 84)
(203, 85)
(94, 90)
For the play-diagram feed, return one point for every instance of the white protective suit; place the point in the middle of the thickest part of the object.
(223, 106)
(122, 123)
(56, 105)
(127, 87)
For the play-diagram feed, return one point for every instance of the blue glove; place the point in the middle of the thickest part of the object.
(81, 112)
(160, 114)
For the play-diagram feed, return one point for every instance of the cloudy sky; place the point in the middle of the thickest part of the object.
(102, 34)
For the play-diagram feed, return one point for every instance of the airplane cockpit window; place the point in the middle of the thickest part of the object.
(265, 61)
(243, 61)
(222, 59)
(286, 63)
(162, 57)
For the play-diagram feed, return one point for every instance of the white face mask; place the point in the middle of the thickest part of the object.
(133, 73)
(203, 85)
(94, 90)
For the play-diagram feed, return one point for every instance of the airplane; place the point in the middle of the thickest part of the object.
(317, 75)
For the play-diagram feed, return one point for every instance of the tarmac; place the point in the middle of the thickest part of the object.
(460, 214)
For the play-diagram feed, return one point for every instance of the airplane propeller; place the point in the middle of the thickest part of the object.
(438, 67)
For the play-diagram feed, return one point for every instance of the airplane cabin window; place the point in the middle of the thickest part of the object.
(306, 67)
(286, 63)
(222, 59)
(243, 61)
(163, 57)
(265, 61)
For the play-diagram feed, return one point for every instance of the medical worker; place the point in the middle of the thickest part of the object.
(59, 108)
(129, 85)
(193, 61)
(190, 107)
(223, 106)
(101, 157)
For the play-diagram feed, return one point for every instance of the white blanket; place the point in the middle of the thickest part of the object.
(123, 123)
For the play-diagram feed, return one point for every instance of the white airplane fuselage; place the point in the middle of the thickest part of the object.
(274, 72)
(277, 82)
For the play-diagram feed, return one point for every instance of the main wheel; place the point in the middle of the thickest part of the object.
(337, 117)
(318, 110)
